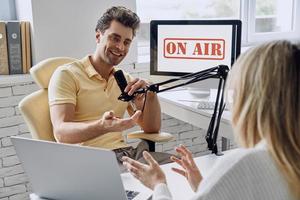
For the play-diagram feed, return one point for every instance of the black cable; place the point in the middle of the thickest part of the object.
(145, 100)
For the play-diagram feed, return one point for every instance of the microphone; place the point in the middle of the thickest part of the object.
(122, 83)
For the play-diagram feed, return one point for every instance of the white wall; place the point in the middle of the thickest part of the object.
(66, 27)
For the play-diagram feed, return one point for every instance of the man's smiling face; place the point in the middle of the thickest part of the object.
(113, 45)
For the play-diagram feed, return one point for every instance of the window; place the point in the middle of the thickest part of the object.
(178, 9)
(262, 19)
(188, 9)
(7, 10)
(273, 19)
(270, 16)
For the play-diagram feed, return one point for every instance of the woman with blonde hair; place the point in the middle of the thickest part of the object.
(265, 83)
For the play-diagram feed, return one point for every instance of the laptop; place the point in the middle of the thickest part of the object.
(70, 172)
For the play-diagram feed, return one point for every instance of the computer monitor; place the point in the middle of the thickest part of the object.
(179, 47)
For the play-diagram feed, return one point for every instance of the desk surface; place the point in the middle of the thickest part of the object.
(180, 104)
(174, 180)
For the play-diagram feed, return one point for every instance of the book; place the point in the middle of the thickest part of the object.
(3, 49)
(28, 46)
(23, 45)
(14, 47)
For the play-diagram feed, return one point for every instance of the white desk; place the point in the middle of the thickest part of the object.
(187, 111)
(178, 185)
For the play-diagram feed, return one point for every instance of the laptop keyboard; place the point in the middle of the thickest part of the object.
(131, 194)
(207, 105)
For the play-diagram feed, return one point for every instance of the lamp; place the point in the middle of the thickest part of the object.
(220, 72)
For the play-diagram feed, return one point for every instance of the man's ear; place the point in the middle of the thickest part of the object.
(98, 36)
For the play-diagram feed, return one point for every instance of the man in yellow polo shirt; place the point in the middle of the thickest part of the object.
(83, 95)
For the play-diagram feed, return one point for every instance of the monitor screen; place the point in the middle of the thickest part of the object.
(179, 47)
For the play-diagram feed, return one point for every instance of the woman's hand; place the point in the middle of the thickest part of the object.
(150, 175)
(190, 171)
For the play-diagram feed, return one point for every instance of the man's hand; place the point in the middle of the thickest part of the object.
(135, 85)
(190, 170)
(149, 175)
(111, 123)
(150, 120)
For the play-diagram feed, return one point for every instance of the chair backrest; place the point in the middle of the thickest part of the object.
(35, 107)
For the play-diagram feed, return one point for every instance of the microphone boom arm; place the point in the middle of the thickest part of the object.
(220, 72)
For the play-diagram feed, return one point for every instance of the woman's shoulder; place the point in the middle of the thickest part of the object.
(240, 157)
(241, 171)
(244, 155)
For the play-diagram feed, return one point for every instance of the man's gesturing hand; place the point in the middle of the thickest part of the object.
(111, 123)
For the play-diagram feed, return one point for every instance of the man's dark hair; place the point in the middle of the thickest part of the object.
(121, 14)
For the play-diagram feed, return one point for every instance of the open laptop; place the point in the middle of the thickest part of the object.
(71, 172)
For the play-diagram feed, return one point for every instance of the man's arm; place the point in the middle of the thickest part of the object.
(68, 131)
(150, 120)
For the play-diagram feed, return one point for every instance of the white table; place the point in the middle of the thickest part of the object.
(177, 184)
(180, 104)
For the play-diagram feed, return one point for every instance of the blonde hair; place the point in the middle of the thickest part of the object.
(266, 104)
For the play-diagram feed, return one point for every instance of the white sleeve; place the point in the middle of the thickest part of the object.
(161, 192)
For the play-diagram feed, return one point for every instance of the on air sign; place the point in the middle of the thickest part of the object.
(194, 48)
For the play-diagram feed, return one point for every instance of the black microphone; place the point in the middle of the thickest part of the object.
(122, 83)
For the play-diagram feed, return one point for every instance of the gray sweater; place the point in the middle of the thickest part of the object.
(243, 174)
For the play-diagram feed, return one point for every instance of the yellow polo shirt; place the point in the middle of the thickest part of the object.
(80, 84)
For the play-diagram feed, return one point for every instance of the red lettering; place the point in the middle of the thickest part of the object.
(194, 48)
(216, 49)
(197, 49)
(171, 47)
(181, 47)
(206, 48)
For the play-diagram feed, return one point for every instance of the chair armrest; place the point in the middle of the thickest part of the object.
(154, 137)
